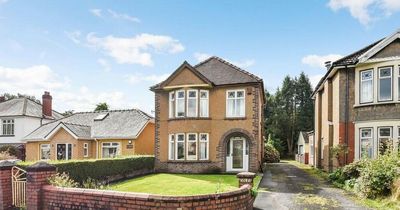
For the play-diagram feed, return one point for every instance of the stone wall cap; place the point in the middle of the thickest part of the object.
(6, 163)
(246, 174)
(41, 166)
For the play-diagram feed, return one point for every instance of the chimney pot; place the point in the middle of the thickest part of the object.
(328, 64)
(47, 109)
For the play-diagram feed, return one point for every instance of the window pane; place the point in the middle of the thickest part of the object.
(231, 94)
(180, 108)
(171, 150)
(387, 72)
(181, 150)
(45, 151)
(240, 107)
(366, 92)
(171, 104)
(240, 94)
(384, 132)
(192, 107)
(366, 133)
(385, 89)
(366, 148)
(366, 75)
(203, 150)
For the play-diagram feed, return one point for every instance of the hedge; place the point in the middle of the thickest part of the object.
(100, 169)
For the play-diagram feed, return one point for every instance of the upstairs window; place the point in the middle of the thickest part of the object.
(203, 103)
(8, 127)
(366, 143)
(385, 84)
(235, 103)
(385, 141)
(180, 103)
(171, 104)
(192, 103)
(367, 86)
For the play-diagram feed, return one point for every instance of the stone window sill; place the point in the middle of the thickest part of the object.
(189, 118)
(376, 104)
(189, 161)
(235, 118)
(7, 136)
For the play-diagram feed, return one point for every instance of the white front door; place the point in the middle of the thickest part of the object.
(237, 158)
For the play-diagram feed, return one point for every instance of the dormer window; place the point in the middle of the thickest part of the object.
(101, 117)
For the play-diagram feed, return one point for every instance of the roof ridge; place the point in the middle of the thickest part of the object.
(358, 51)
(102, 111)
(229, 64)
(68, 123)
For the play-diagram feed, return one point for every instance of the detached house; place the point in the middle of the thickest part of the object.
(21, 116)
(357, 104)
(101, 134)
(209, 117)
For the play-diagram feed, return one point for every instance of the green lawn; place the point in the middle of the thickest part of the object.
(180, 184)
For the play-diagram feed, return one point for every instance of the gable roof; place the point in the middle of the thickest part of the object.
(379, 46)
(24, 107)
(305, 136)
(215, 71)
(124, 124)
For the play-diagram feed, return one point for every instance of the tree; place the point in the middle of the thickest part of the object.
(102, 107)
(9, 96)
(68, 113)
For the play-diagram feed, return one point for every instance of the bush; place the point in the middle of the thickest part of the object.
(101, 169)
(6, 156)
(11, 150)
(271, 154)
(349, 172)
(62, 180)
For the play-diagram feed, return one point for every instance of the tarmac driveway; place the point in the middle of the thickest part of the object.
(285, 186)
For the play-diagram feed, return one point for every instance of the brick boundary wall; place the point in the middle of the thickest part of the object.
(41, 195)
(5, 185)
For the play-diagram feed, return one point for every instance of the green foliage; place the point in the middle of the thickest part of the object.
(90, 183)
(100, 170)
(339, 150)
(6, 156)
(62, 180)
(102, 107)
(271, 154)
(9, 96)
(11, 150)
(68, 113)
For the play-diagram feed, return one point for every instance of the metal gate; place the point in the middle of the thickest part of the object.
(18, 186)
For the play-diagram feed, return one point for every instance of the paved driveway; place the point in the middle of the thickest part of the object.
(285, 186)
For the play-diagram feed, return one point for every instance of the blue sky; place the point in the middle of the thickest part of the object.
(86, 52)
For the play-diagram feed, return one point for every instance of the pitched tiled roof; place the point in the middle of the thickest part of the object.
(221, 72)
(117, 124)
(351, 59)
(23, 107)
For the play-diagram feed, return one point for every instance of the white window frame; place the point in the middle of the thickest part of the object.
(207, 110)
(191, 157)
(4, 124)
(371, 138)
(386, 77)
(235, 99)
(381, 137)
(176, 146)
(85, 149)
(171, 104)
(171, 141)
(189, 114)
(40, 151)
(177, 102)
(207, 141)
(361, 85)
(111, 146)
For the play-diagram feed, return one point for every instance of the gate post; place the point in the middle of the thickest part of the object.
(37, 175)
(5, 184)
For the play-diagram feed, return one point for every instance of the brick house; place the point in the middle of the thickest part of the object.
(357, 104)
(209, 118)
(85, 135)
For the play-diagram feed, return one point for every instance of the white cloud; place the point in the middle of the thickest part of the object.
(366, 11)
(201, 56)
(137, 49)
(96, 12)
(122, 16)
(318, 61)
(104, 63)
(74, 36)
(314, 79)
(153, 78)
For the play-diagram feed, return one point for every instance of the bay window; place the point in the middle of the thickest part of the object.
(8, 127)
(235, 103)
(203, 103)
(203, 146)
(367, 86)
(366, 143)
(110, 149)
(191, 146)
(192, 103)
(385, 141)
(180, 103)
(180, 147)
(385, 84)
(45, 152)
(171, 105)
(171, 147)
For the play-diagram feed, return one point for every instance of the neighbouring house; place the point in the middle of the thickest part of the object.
(209, 118)
(21, 116)
(88, 135)
(303, 148)
(357, 105)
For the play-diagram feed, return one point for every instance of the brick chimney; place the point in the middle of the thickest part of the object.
(47, 104)
(2, 99)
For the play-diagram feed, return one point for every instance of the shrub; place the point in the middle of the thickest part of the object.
(93, 184)
(62, 180)
(11, 150)
(101, 169)
(271, 154)
(6, 156)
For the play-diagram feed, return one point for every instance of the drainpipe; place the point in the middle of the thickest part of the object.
(346, 113)
(97, 148)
